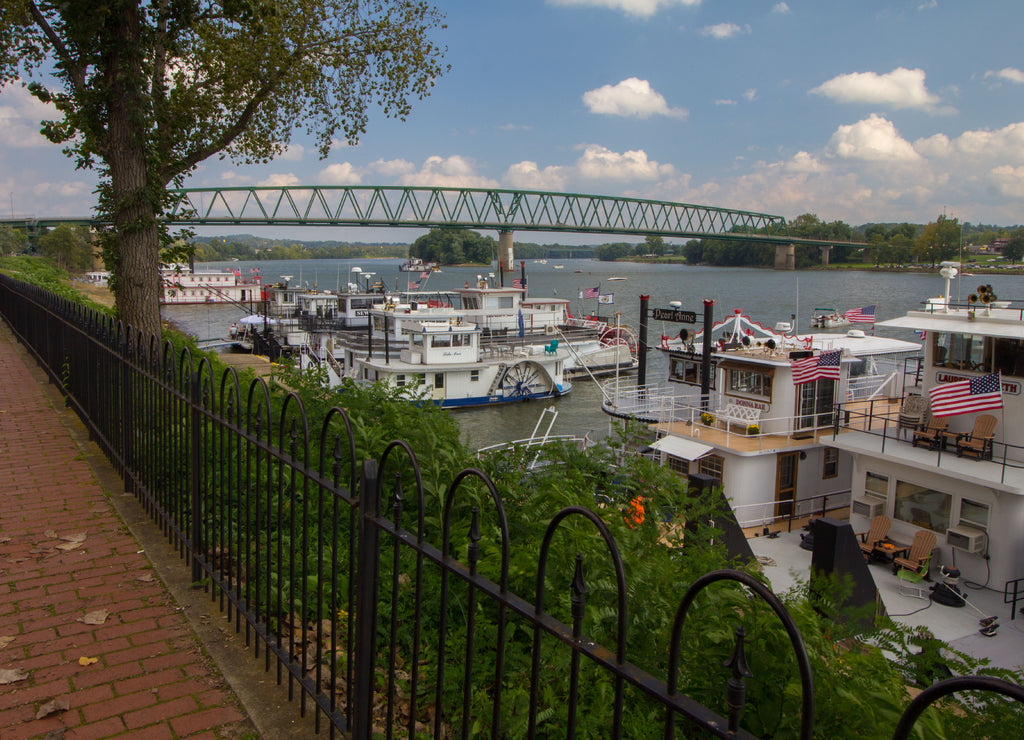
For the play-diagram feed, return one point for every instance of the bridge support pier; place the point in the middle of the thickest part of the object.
(785, 257)
(506, 259)
(826, 250)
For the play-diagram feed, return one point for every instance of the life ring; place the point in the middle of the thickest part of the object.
(550, 329)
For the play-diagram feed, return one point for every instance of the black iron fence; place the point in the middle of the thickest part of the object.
(376, 609)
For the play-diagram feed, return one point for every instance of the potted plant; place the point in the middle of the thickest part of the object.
(706, 418)
(753, 429)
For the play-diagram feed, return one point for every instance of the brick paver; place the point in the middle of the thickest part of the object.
(64, 553)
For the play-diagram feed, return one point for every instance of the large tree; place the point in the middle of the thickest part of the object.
(145, 90)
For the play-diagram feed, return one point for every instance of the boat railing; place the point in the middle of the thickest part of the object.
(768, 513)
(880, 418)
(866, 387)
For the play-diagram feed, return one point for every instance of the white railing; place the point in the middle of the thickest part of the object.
(763, 513)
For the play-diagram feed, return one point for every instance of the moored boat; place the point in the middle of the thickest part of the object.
(179, 284)
(828, 318)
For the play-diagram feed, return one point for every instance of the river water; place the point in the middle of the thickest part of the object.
(767, 296)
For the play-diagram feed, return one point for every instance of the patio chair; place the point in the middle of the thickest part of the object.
(932, 435)
(912, 412)
(978, 444)
(919, 556)
(911, 584)
(876, 533)
(550, 349)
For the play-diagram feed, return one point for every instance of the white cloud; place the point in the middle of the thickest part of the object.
(632, 97)
(599, 163)
(781, 8)
(454, 171)
(804, 162)
(340, 173)
(901, 88)
(526, 175)
(928, 4)
(393, 167)
(279, 180)
(1002, 145)
(750, 95)
(292, 153)
(725, 102)
(1009, 74)
(724, 30)
(1010, 180)
(20, 116)
(638, 8)
(874, 139)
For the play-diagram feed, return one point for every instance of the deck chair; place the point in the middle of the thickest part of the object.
(876, 533)
(932, 434)
(550, 349)
(920, 554)
(912, 412)
(978, 443)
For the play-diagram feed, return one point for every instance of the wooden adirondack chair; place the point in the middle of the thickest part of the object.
(931, 435)
(978, 443)
(920, 554)
(876, 533)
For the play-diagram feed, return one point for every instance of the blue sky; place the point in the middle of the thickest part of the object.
(855, 110)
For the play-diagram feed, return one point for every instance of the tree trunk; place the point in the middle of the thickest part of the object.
(133, 202)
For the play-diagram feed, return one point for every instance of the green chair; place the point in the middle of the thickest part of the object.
(911, 583)
(551, 348)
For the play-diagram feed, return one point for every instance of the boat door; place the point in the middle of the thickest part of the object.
(785, 482)
(815, 403)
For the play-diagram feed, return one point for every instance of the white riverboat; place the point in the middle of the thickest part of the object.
(759, 434)
(444, 363)
(181, 285)
(973, 503)
(828, 318)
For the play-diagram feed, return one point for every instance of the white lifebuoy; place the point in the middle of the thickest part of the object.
(549, 329)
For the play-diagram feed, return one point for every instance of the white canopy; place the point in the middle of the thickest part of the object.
(684, 449)
(256, 319)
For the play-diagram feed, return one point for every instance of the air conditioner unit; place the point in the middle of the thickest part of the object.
(867, 506)
(968, 539)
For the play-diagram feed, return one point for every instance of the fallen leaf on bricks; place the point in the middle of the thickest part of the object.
(146, 578)
(51, 534)
(94, 617)
(87, 661)
(52, 707)
(4, 539)
(54, 734)
(77, 537)
(12, 675)
(6, 640)
(67, 546)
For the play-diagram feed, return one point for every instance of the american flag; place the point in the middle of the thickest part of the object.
(424, 274)
(592, 292)
(518, 283)
(864, 315)
(824, 365)
(414, 286)
(967, 396)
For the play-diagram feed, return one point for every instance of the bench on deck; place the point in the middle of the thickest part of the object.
(733, 413)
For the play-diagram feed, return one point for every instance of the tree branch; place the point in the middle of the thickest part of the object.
(75, 71)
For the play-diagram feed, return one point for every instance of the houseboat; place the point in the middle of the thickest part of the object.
(180, 284)
(415, 264)
(828, 318)
(444, 363)
(963, 483)
(762, 430)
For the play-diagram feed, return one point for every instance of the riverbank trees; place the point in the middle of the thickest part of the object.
(145, 91)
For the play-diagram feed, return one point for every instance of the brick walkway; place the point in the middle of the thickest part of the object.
(91, 643)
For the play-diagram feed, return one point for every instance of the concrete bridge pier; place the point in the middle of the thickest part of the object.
(826, 250)
(506, 258)
(785, 257)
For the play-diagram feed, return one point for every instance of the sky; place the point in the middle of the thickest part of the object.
(852, 110)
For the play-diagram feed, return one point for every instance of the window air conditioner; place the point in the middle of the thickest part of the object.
(867, 506)
(967, 539)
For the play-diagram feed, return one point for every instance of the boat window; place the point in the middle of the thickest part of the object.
(441, 340)
(750, 382)
(830, 465)
(876, 485)
(400, 380)
(687, 370)
(974, 514)
(1008, 357)
(922, 506)
(678, 464)
(816, 403)
(474, 375)
(439, 380)
(499, 301)
(416, 340)
(712, 465)
(471, 303)
(962, 352)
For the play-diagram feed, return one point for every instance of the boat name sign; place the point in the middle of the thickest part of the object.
(1008, 386)
(674, 314)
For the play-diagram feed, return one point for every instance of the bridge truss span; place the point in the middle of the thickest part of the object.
(501, 210)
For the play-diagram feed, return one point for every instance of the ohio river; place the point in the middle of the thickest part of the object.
(767, 296)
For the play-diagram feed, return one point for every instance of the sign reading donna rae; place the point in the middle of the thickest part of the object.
(1006, 386)
(674, 314)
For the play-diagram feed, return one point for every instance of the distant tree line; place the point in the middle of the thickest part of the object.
(222, 249)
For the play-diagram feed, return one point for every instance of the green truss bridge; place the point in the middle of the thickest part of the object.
(504, 211)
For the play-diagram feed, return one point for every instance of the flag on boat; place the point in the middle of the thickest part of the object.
(425, 274)
(824, 365)
(414, 286)
(592, 292)
(518, 283)
(967, 396)
(606, 298)
(864, 315)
